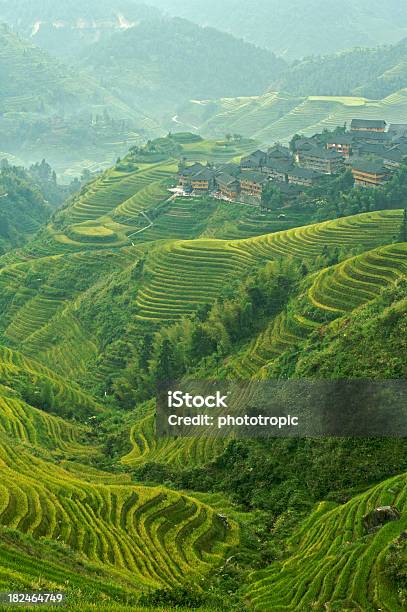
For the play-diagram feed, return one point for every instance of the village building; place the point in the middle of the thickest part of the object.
(369, 173)
(252, 184)
(203, 181)
(254, 161)
(278, 153)
(368, 125)
(186, 172)
(229, 186)
(340, 143)
(383, 138)
(230, 168)
(277, 169)
(320, 160)
(303, 176)
(394, 158)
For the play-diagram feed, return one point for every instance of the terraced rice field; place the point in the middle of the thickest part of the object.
(334, 291)
(68, 396)
(184, 275)
(180, 453)
(332, 562)
(152, 536)
(38, 303)
(109, 208)
(277, 117)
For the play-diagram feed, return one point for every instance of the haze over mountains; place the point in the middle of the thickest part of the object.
(295, 28)
(126, 72)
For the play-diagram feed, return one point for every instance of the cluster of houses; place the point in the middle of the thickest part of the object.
(371, 149)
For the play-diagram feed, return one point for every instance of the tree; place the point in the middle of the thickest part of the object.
(271, 198)
(293, 141)
(166, 364)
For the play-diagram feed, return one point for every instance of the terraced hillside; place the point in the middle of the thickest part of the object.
(328, 294)
(332, 560)
(109, 538)
(278, 116)
(85, 310)
(139, 531)
(187, 452)
(186, 274)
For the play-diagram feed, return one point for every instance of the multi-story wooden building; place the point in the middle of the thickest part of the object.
(369, 173)
(340, 143)
(252, 184)
(254, 161)
(203, 181)
(277, 169)
(186, 172)
(229, 186)
(368, 125)
(320, 160)
(303, 176)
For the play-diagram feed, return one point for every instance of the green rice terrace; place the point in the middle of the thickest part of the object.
(92, 503)
(277, 116)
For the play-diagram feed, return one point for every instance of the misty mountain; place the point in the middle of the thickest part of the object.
(163, 62)
(299, 28)
(50, 109)
(372, 73)
(66, 27)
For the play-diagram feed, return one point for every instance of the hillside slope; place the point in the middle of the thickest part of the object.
(127, 286)
(159, 63)
(50, 110)
(295, 28)
(373, 73)
(278, 116)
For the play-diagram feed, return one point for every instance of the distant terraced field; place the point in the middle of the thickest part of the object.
(278, 116)
(332, 563)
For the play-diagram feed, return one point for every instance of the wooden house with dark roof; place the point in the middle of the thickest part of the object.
(369, 173)
(303, 176)
(321, 160)
(340, 143)
(277, 169)
(252, 184)
(186, 172)
(203, 181)
(228, 185)
(254, 161)
(368, 125)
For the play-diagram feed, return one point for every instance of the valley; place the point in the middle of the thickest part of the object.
(207, 193)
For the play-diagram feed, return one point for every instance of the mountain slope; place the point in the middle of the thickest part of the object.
(65, 28)
(298, 28)
(278, 116)
(160, 62)
(374, 73)
(50, 110)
